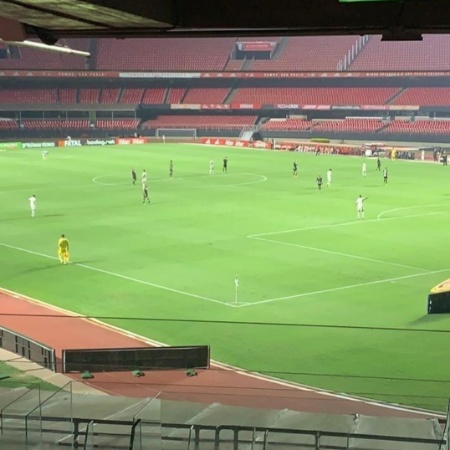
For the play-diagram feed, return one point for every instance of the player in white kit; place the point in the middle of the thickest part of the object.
(364, 169)
(32, 201)
(329, 176)
(360, 206)
(144, 177)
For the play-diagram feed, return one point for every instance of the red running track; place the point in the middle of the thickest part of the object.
(61, 329)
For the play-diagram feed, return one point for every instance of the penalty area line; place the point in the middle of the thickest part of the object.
(118, 275)
(342, 288)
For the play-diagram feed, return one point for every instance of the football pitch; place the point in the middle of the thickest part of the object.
(324, 299)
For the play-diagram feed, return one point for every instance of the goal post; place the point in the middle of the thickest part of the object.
(176, 133)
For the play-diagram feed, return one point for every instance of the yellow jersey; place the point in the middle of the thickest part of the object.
(63, 244)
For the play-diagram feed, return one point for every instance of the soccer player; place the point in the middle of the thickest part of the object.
(32, 201)
(171, 169)
(133, 176)
(44, 154)
(360, 206)
(63, 249)
(364, 169)
(378, 164)
(294, 169)
(144, 177)
(225, 165)
(319, 182)
(211, 167)
(329, 176)
(145, 194)
(385, 175)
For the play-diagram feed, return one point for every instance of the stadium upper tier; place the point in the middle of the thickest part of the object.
(219, 54)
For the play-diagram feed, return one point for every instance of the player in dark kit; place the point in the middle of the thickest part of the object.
(171, 169)
(319, 182)
(133, 176)
(378, 164)
(294, 169)
(225, 165)
(145, 194)
(385, 175)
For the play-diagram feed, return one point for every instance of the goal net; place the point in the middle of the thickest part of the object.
(176, 133)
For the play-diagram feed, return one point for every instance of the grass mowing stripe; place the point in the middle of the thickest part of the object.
(118, 275)
(324, 291)
(363, 258)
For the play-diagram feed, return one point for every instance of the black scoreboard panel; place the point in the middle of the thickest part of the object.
(142, 358)
(439, 302)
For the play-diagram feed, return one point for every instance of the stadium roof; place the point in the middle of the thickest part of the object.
(53, 19)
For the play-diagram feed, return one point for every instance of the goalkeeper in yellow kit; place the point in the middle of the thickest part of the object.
(63, 249)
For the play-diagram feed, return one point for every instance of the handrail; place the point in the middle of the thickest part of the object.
(237, 429)
(35, 386)
(40, 407)
(133, 431)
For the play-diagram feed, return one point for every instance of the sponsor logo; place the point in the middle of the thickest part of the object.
(288, 106)
(131, 141)
(100, 142)
(10, 145)
(72, 143)
(38, 144)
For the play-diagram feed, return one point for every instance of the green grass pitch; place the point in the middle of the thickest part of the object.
(324, 299)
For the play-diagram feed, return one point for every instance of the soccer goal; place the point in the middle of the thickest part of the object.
(176, 133)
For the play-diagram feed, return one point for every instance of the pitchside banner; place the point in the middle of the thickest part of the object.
(235, 143)
(10, 145)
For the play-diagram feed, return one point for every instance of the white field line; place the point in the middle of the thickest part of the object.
(118, 275)
(347, 255)
(351, 222)
(341, 288)
(268, 379)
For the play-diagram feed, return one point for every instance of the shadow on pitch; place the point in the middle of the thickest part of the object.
(431, 319)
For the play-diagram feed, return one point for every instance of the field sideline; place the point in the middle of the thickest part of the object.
(324, 299)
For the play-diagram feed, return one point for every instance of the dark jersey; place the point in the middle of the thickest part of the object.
(225, 162)
(319, 180)
(133, 174)
(295, 167)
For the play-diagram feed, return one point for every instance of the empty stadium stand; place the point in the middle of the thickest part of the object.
(48, 96)
(426, 96)
(433, 53)
(316, 96)
(354, 125)
(289, 124)
(31, 59)
(420, 126)
(56, 124)
(216, 96)
(109, 95)
(153, 96)
(89, 95)
(67, 96)
(203, 122)
(308, 54)
(8, 124)
(117, 124)
(164, 54)
(131, 96)
(175, 96)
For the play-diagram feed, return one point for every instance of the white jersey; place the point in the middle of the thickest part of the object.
(144, 177)
(364, 168)
(329, 174)
(32, 201)
(360, 203)
(211, 164)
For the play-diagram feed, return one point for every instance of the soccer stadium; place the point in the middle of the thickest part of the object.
(225, 242)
